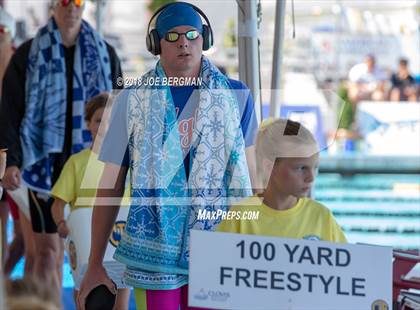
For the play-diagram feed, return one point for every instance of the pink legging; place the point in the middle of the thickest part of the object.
(176, 299)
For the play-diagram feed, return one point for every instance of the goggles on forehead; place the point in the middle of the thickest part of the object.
(4, 29)
(173, 36)
(77, 3)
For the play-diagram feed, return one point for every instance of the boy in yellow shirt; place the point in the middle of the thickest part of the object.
(287, 162)
(77, 186)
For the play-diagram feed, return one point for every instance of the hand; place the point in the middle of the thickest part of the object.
(11, 179)
(63, 230)
(95, 275)
(3, 158)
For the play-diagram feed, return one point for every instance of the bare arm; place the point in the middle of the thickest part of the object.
(3, 157)
(57, 210)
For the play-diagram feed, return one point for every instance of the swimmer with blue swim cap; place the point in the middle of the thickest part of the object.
(155, 243)
(179, 37)
(179, 14)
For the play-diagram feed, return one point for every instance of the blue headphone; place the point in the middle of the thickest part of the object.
(153, 39)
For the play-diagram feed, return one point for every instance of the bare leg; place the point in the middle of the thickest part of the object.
(16, 249)
(4, 215)
(122, 300)
(75, 295)
(29, 243)
(395, 95)
(46, 259)
(60, 261)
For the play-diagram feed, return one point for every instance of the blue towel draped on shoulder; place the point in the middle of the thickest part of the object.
(43, 124)
(164, 206)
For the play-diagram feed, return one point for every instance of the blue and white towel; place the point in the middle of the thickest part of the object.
(164, 204)
(43, 125)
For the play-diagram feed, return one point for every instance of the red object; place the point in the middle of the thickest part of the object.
(4, 29)
(78, 3)
(14, 209)
(404, 261)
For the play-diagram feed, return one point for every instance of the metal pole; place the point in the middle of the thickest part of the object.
(99, 14)
(277, 59)
(248, 49)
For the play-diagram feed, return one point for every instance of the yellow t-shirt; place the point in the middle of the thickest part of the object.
(79, 180)
(308, 219)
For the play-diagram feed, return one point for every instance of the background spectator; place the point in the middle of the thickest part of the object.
(403, 86)
(366, 81)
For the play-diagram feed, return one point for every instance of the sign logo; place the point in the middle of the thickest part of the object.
(116, 233)
(201, 295)
(312, 237)
(72, 255)
(213, 295)
(379, 305)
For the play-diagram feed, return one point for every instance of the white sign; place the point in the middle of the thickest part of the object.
(78, 242)
(234, 271)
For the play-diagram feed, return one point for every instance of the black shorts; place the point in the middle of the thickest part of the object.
(40, 203)
(41, 216)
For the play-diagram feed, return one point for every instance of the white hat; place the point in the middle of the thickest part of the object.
(7, 20)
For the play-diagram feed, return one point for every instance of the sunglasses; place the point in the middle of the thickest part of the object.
(77, 3)
(174, 36)
(4, 29)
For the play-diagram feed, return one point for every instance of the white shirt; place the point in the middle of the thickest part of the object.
(360, 74)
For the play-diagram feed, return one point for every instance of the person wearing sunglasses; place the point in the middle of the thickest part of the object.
(77, 3)
(186, 141)
(46, 85)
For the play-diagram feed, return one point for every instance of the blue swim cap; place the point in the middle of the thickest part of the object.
(178, 14)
